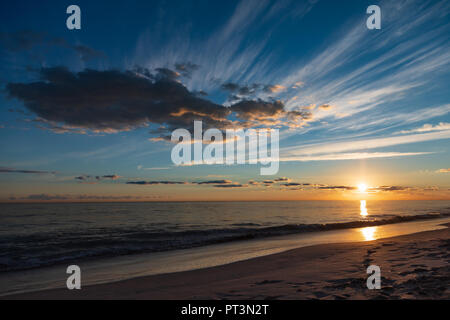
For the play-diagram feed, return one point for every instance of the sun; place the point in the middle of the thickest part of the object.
(362, 187)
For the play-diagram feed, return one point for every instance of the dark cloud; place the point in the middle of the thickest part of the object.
(26, 40)
(236, 185)
(214, 182)
(249, 89)
(98, 178)
(105, 198)
(44, 197)
(155, 182)
(269, 113)
(268, 182)
(258, 109)
(240, 90)
(389, 188)
(11, 170)
(291, 184)
(109, 176)
(337, 188)
(83, 178)
(111, 101)
(265, 183)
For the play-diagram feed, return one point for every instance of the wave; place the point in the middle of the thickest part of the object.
(38, 250)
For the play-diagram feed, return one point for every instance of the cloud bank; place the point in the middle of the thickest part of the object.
(112, 101)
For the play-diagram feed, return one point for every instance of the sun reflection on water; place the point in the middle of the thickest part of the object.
(363, 208)
(369, 233)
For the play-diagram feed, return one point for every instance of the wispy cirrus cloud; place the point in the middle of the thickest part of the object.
(383, 121)
(345, 74)
(225, 54)
(351, 156)
(364, 144)
(442, 126)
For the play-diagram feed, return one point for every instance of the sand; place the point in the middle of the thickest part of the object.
(415, 266)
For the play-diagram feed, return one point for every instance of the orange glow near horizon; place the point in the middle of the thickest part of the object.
(359, 189)
(362, 188)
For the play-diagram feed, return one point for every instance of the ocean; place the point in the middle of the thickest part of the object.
(41, 235)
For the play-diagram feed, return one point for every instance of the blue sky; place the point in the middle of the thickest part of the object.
(375, 103)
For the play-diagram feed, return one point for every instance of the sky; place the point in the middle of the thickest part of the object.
(87, 115)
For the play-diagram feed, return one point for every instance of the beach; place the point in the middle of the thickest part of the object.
(225, 150)
(413, 266)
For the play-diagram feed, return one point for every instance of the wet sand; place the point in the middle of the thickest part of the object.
(414, 266)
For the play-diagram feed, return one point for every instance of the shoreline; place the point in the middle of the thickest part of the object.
(413, 266)
(255, 234)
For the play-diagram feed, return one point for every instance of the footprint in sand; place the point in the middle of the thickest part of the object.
(268, 282)
(388, 244)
